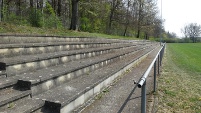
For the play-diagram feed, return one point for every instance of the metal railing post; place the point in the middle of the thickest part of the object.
(158, 64)
(143, 98)
(160, 57)
(162, 52)
(155, 76)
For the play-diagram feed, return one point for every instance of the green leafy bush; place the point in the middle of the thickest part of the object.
(50, 18)
(35, 18)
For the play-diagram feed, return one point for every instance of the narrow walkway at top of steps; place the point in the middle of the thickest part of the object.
(123, 96)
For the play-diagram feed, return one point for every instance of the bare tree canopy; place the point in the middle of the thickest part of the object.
(192, 30)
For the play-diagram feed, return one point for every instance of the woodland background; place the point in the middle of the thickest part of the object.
(135, 18)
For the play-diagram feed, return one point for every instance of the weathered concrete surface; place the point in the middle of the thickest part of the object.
(78, 90)
(82, 60)
(124, 96)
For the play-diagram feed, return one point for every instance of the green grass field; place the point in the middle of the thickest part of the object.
(187, 56)
(179, 86)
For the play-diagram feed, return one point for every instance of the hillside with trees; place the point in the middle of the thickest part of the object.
(136, 18)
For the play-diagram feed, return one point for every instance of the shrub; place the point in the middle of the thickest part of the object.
(35, 18)
(51, 20)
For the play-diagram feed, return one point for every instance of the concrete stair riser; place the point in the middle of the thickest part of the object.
(42, 39)
(10, 52)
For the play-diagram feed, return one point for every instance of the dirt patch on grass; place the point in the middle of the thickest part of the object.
(179, 91)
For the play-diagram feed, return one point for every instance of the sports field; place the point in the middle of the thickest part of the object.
(179, 86)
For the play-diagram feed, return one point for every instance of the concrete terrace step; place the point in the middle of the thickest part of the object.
(73, 89)
(8, 82)
(11, 95)
(48, 78)
(65, 98)
(8, 39)
(10, 50)
(31, 58)
(22, 64)
(26, 106)
(61, 73)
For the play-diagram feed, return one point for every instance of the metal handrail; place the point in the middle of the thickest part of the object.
(142, 81)
(143, 78)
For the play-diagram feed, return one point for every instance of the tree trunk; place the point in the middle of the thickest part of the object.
(31, 4)
(146, 36)
(37, 4)
(1, 1)
(74, 18)
(138, 33)
(125, 31)
(110, 21)
(59, 8)
(19, 7)
(140, 18)
(113, 6)
(54, 5)
(127, 18)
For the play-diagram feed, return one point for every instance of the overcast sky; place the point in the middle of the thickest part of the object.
(178, 13)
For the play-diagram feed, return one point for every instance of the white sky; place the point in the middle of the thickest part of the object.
(178, 13)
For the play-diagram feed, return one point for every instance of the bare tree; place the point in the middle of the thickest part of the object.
(192, 30)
